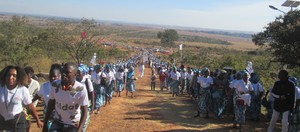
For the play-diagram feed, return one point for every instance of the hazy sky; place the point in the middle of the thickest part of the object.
(244, 15)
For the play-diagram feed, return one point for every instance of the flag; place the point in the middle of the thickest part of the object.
(249, 67)
(83, 35)
(180, 46)
(93, 60)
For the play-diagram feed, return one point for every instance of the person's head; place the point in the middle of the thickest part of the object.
(206, 72)
(283, 75)
(11, 76)
(107, 68)
(222, 74)
(55, 72)
(97, 68)
(69, 72)
(30, 72)
(294, 80)
(81, 72)
(246, 76)
(254, 78)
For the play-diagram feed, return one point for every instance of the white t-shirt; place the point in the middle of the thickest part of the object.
(184, 75)
(89, 82)
(241, 86)
(205, 81)
(233, 83)
(45, 91)
(174, 75)
(14, 99)
(120, 75)
(33, 87)
(96, 77)
(68, 103)
(110, 76)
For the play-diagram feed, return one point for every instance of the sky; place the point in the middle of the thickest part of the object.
(239, 15)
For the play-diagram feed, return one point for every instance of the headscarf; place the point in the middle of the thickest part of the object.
(97, 67)
(83, 68)
(255, 78)
(294, 80)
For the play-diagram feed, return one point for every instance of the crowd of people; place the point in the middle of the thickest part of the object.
(75, 91)
(71, 95)
(228, 92)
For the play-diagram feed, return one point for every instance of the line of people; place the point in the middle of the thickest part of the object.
(232, 93)
(71, 95)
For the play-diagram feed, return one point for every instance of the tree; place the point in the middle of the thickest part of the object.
(78, 40)
(16, 41)
(168, 37)
(281, 37)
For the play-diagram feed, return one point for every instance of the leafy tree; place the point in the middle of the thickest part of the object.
(281, 37)
(168, 37)
(17, 41)
(79, 41)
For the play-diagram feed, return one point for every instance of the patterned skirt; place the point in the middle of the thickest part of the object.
(218, 101)
(175, 86)
(99, 95)
(130, 86)
(204, 100)
(239, 111)
(120, 85)
(109, 90)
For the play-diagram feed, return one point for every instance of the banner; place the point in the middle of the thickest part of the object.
(249, 67)
(93, 60)
(180, 46)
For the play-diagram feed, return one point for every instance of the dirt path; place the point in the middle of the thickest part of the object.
(157, 111)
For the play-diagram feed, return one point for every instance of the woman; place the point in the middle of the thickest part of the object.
(294, 119)
(219, 93)
(205, 83)
(13, 96)
(130, 86)
(54, 74)
(242, 98)
(98, 79)
(110, 84)
(120, 77)
(256, 97)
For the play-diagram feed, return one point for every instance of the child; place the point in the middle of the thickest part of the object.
(153, 78)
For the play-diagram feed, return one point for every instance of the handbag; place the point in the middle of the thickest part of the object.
(240, 102)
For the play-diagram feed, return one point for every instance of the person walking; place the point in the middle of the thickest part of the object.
(13, 96)
(69, 98)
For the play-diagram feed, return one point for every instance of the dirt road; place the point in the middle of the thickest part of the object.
(152, 111)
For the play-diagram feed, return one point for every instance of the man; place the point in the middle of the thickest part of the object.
(284, 94)
(70, 100)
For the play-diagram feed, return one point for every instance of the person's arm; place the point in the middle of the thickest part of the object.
(50, 108)
(36, 97)
(92, 100)
(33, 112)
(84, 111)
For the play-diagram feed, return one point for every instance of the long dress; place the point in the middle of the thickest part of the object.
(130, 86)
